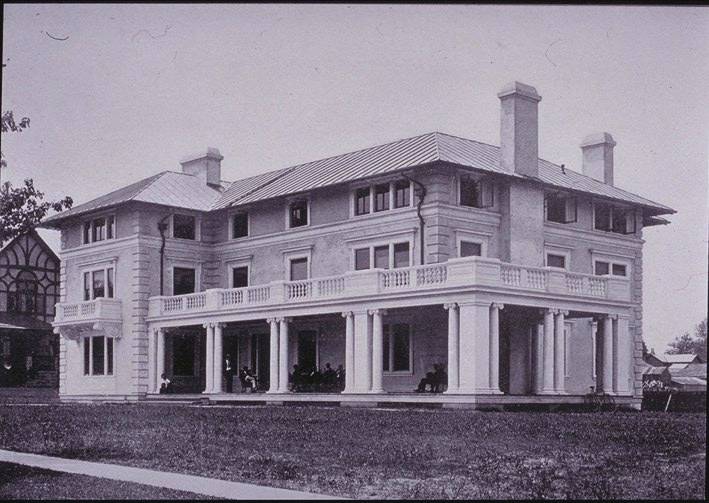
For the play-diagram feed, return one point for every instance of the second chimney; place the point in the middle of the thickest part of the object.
(519, 123)
(205, 165)
(597, 152)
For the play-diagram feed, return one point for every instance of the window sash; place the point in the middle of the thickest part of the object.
(561, 209)
(98, 355)
(184, 226)
(240, 225)
(554, 259)
(381, 197)
(619, 270)
(240, 277)
(476, 193)
(402, 194)
(184, 280)
(298, 269)
(362, 259)
(381, 257)
(601, 268)
(401, 255)
(471, 249)
(362, 198)
(298, 214)
(98, 229)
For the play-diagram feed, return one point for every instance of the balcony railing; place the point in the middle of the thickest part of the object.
(455, 273)
(88, 311)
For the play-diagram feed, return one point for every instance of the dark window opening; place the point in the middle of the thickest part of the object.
(602, 268)
(476, 193)
(402, 194)
(401, 255)
(183, 280)
(299, 213)
(381, 257)
(87, 356)
(184, 226)
(99, 230)
(619, 270)
(470, 249)
(110, 227)
(602, 217)
(240, 277)
(87, 232)
(361, 259)
(560, 209)
(556, 261)
(240, 225)
(98, 354)
(298, 269)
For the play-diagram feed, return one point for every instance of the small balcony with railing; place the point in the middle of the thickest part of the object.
(73, 319)
(455, 274)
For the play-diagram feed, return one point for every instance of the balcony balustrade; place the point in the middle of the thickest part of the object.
(455, 273)
(76, 318)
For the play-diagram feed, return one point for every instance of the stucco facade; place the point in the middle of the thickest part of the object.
(509, 301)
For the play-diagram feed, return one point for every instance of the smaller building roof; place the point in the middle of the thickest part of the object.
(691, 370)
(679, 358)
(690, 381)
(650, 370)
(16, 321)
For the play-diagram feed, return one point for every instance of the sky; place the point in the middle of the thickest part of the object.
(134, 88)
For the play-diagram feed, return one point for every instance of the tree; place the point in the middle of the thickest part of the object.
(22, 208)
(691, 344)
(8, 125)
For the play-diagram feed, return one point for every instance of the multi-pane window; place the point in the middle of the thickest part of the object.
(397, 347)
(362, 197)
(605, 268)
(554, 260)
(184, 226)
(298, 269)
(402, 194)
(23, 298)
(183, 280)
(476, 193)
(98, 355)
(381, 197)
(560, 209)
(98, 283)
(240, 225)
(298, 213)
(383, 256)
(99, 229)
(240, 277)
(611, 218)
(470, 249)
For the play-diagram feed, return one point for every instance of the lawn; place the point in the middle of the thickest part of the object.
(373, 453)
(26, 483)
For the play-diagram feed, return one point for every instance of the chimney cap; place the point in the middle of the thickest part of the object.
(598, 139)
(210, 153)
(520, 89)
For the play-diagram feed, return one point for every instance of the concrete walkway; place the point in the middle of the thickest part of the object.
(192, 483)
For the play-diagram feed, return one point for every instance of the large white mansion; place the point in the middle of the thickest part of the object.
(523, 278)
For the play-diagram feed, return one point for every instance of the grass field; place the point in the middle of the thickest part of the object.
(367, 453)
(23, 482)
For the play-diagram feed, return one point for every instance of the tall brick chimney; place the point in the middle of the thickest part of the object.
(597, 150)
(205, 165)
(519, 123)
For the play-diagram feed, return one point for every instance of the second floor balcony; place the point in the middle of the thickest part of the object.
(73, 319)
(455, 274)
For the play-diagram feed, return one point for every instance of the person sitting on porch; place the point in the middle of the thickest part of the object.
(428, 380)
(165, 384)
(329, 377)
(316, 379)
(248, 380)
(440, 378)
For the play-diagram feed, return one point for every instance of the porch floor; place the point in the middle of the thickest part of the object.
(392, 399)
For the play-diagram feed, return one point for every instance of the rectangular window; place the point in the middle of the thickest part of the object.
(362, 197)
(298, 269)
(470, 249)
(619, 270)
(240, 277)
(361, 259)
(381, 197)
(97, 355)
(109, 227)
(183, 351)
(397, 348)
(109, 356)
(87, 356)
(402, 194)
(560, 209)
(381, 257)
(602, 268)
(109, 278)
(240, 225)
(183, 280)
(87, 232)
(298, 213)
(602, 217)
(554, 260)
(87, 286)
(476, 193)
(98, 230)
(184, 226)
(98, 284)
(401, 255)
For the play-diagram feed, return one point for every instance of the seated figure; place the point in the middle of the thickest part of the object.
(247, 379)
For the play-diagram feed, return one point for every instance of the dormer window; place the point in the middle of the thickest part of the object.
(560, 208)
(184, 226)
(610, 218)
(99, 229)
(382, 197)
(298, 213)
(475, 193)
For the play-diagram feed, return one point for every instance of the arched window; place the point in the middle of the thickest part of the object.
(22, 297)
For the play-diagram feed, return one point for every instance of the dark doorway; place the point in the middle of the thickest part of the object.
(307, 349)
(260, 358)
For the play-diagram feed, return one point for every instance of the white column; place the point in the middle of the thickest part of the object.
(538, 358)
(160, 359)
(377, 350)
(474, 368)
(273, 357)
(453, 348)
(218, 365)
(608, 354)
(283, 355)
(548, 356)
(363, 352)
(495, 346)
(209, 358)
(349, 352)
(624, 357)
(152, 359)
(559, 348)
